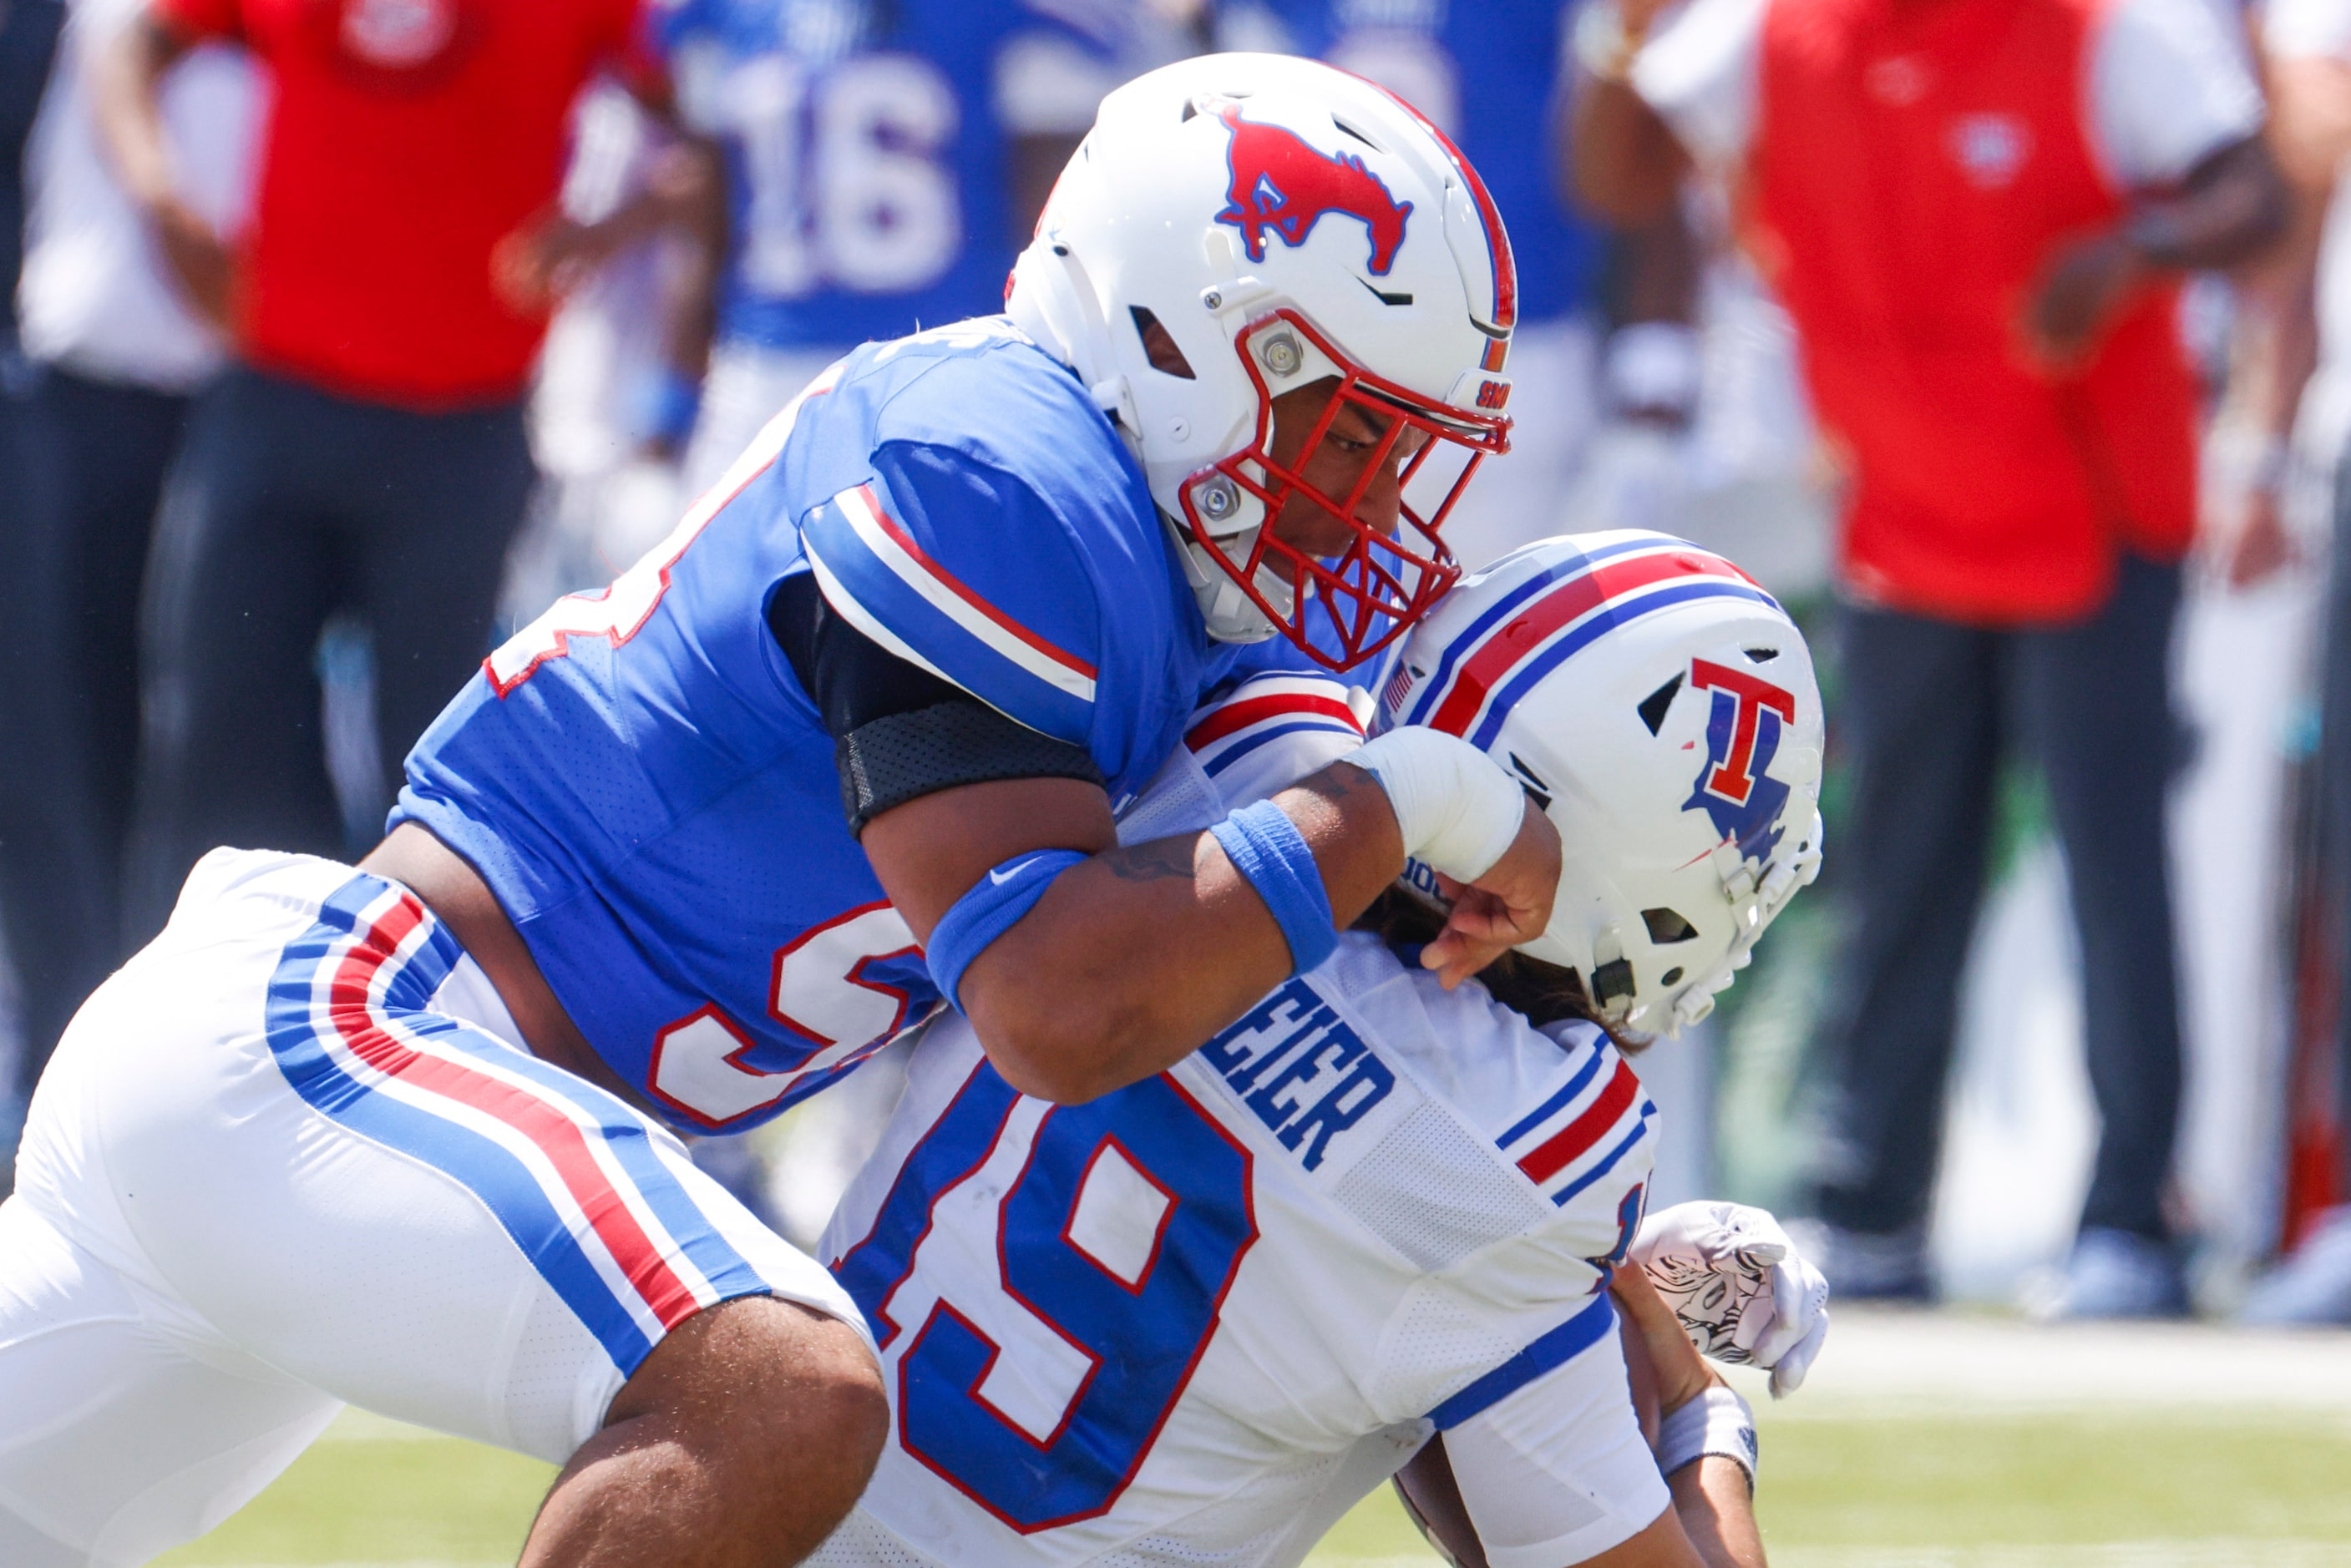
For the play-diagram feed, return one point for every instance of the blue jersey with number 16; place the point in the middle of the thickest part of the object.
(645, 787)
(867, 162)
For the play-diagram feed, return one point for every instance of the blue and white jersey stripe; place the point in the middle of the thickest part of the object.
(571, 1174)
(1269, 731)
(879, 578)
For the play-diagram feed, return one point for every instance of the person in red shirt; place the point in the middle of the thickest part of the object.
(1978, 213)
(367, 453)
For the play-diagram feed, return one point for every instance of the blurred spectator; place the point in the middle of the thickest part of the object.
(112, 358)
(1977, 213)
(29, 37)
(1492, 77)
(608, 488)
(884, 163)
(366, 452)
(2297, 358)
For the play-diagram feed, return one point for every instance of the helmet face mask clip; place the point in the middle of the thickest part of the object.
(1380, 582)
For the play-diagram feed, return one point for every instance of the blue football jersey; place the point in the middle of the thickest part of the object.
(1487, 72)
(867, 164)
(643, 782)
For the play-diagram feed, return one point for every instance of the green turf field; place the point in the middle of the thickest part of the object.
(2143, 1488)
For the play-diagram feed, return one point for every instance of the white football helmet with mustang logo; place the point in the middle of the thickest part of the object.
(1281, 223)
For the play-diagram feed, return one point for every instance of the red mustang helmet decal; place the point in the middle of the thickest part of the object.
(1281, 182)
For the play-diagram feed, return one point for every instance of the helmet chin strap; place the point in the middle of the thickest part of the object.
(1231, 615)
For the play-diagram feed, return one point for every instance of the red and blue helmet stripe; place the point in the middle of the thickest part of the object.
(1557, 612)
(1503, 312)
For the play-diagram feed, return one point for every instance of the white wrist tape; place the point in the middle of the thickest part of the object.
(1458, 809)
(1717, 1422)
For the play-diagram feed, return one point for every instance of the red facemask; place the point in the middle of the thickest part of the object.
(1374, 591)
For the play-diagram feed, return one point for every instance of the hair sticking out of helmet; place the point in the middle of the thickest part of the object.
(1660, 708)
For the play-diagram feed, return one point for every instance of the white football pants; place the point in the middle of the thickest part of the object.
(290, 1157)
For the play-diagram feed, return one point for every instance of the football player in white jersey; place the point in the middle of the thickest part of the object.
(1196, 1320)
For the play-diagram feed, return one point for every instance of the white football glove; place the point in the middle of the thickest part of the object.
(1713, 1262)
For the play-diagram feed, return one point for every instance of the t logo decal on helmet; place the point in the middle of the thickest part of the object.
(1573, 661)
(1281, 182)
(1743, 734)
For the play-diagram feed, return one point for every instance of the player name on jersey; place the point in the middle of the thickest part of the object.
(1298, 1066)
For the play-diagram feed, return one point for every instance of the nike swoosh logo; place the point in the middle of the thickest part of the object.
(1003, 875)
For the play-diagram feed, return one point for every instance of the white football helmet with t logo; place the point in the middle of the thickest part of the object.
(1281, 223)
(1660, 707)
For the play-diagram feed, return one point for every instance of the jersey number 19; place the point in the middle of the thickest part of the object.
(1114, 1247)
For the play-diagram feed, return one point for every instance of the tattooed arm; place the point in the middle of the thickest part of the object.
(1136, 955)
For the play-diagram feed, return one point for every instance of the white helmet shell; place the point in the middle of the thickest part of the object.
(1661, 708)
(1283, 222)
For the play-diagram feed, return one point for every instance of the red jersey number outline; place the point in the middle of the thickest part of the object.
(698, 1067)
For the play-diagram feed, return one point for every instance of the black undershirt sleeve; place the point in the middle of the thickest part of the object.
(900, 733)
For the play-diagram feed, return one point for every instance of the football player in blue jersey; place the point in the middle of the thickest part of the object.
(1196, 1320)
(848, 746)
(883, 162)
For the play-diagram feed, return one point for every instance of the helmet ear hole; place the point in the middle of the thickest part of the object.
(1653, 707)
(1671, 976)
(1668, 926)
(1159, 344)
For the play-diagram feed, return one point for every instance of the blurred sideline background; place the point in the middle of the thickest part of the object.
(1968, 1434)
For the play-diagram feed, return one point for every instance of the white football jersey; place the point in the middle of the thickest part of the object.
(1194, 1321)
